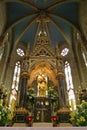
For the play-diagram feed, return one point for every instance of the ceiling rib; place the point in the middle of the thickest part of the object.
(58, 2)
(36, 33)
(19, 20)
(49, 35)
(25, 29)
(66, 20)
(29, 4)
(59, 28)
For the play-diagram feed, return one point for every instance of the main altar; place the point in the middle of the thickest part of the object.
(42, 109)
(42, 70)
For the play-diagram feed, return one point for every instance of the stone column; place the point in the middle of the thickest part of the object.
(24, 80)
(61, 89)
(60, 77)
(23, 89)
(63, 112)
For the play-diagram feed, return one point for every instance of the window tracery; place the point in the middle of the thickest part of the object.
(20, 52)
(64, 51)
(15, 83)
(70, 88)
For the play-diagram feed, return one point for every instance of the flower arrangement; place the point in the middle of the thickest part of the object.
(79, 117)
(5, 115)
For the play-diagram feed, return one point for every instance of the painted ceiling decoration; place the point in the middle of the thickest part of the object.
(26, 18)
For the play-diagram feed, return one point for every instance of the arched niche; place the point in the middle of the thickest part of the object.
(42, 68)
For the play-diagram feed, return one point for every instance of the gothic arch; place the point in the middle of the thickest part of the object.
(43, 68)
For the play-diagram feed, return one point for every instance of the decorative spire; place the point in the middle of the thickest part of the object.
(42, 38)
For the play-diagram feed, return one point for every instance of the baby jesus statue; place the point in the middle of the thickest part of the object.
(42, 85)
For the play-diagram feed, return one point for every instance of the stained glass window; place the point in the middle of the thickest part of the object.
(70, 87)
(64, 51)
(15, 83)
(16, 76)
(20, 52)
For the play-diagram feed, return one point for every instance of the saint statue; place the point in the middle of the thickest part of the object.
(42, 85)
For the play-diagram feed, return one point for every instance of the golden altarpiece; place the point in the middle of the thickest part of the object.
(42, 69)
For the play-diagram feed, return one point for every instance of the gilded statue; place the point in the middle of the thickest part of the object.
(42, 85)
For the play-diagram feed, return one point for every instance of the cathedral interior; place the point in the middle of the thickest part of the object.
(43, 57)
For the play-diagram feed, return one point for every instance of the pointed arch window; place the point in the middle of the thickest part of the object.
(16, 76)
(70, 88)
(15, 83)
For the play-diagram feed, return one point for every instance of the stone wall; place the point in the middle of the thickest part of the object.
(83, 16)
(2, 25)
(2, 17)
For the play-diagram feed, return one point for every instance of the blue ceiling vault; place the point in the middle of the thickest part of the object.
(22, 15)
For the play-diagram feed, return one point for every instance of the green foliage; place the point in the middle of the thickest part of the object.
(31, 93)
(53, 94)
(79, 117)
(4, 115)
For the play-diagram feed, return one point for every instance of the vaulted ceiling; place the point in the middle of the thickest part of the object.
(25, 19)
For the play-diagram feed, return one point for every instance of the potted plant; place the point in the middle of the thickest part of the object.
(79, 116)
